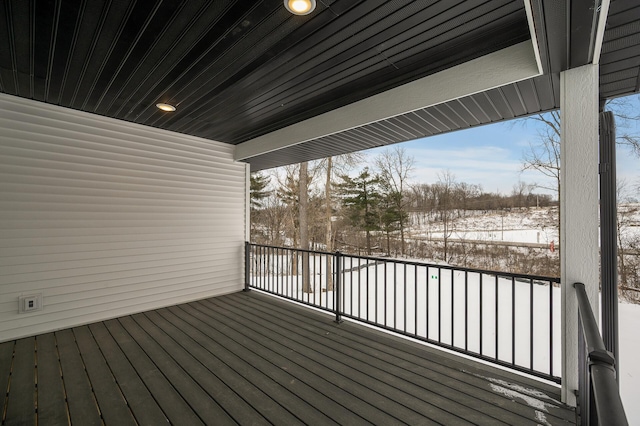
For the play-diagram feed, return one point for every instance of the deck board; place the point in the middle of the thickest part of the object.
(6, 362)
(403, 384)
(80, 397)
(306, 354)
(51, 396)
(248, 358)
(245, 402)
(112, 404)
(215, 389)
(174, 406)
(252, 377)
(441, 372)
(315, 407)
(305, 368)
(143, 406)
(21, 398)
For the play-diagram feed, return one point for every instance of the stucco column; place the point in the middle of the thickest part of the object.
(247, 202)
(578, 209)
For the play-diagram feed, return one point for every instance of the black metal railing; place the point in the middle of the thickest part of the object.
(507, 319)
(598, 393)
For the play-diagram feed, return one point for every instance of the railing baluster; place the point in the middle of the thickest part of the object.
(426, 311)
(338, 285)
(466, 311)
(321, 260)
(531, 323)
(453, 278)
(415, 299)
(513, 320)
(550, 328)
(481, 329)
(297, 266)
(247, 265)
(496, 317)
(289, 274)
(265, 268)
(376, 295)
(439, 305)
(262, 274)
(359, 286)
(385, 294)
(395, 295)
(404, 324)
(367, 292)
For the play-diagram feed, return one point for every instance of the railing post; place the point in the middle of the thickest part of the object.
(247, 265)
(598, 392)
(338, 285)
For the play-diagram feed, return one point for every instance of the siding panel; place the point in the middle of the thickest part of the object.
(107, 218)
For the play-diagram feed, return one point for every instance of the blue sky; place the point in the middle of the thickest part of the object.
(492, 155)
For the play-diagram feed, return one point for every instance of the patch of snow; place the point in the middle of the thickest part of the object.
(529, 400)
(540, 417)
(520, 389)
(629, 320)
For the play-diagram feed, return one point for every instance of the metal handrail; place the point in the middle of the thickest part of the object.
(498, 317)
(600, 387)
(544, 278)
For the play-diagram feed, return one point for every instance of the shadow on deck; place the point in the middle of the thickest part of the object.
(248, 358)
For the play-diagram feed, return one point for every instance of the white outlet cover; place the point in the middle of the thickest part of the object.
(30, 303)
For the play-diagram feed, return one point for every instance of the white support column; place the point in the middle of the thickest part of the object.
(578, 209)
(247, 202)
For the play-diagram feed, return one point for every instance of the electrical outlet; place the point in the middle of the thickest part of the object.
(29, 303)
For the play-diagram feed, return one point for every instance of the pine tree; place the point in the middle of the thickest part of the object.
(360, 197)
(258, 191)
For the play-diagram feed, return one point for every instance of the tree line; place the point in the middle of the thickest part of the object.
(333, 205)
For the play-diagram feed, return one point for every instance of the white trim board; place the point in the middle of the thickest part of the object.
(509, 65)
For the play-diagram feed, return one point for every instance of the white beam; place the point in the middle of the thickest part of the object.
(578, 209)
(247, 202)
(602, 22)
(505, 66)
(532, 31)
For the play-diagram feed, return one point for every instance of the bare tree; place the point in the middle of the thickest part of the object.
(544, 156)
(328, 222)
(333, 167)
(627, 119)
(626, 240)
(521, 193)
(303, 223)
(395, 167)
(443, 192)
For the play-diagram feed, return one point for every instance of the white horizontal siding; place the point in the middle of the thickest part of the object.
(108, 218)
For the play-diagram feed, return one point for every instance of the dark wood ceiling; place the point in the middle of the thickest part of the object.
(240, 69)
(236, 69)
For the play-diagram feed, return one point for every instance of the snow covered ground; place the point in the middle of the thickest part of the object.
(536, 225)
(629, 319)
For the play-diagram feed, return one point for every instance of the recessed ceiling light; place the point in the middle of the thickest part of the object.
(300, 7)
(166, 107)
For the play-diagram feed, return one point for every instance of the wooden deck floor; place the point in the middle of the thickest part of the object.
(247, 358)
